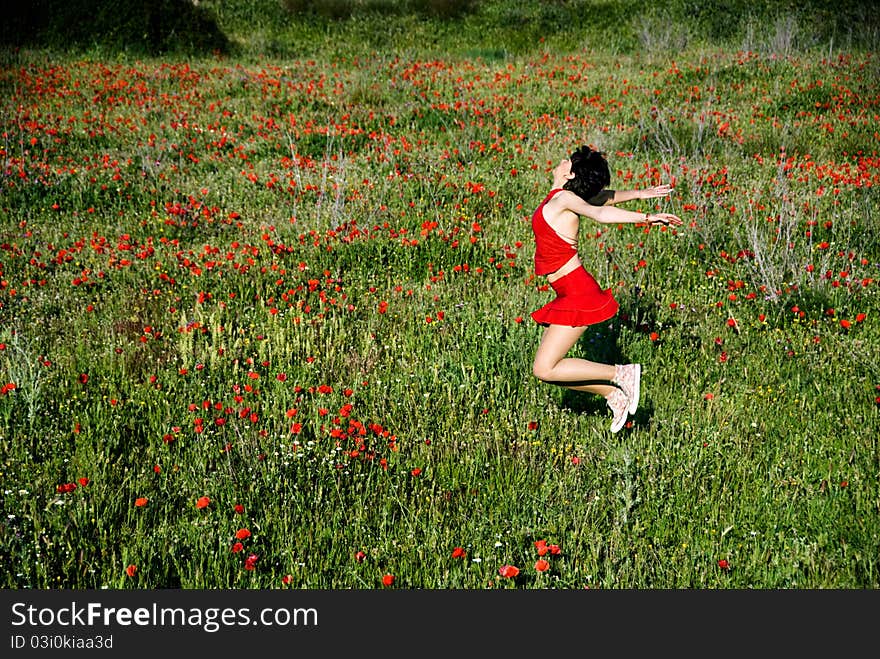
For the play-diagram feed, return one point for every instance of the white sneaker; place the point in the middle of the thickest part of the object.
(628, 378)
(618, 402)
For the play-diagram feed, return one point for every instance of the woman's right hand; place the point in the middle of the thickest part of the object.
(657, 191)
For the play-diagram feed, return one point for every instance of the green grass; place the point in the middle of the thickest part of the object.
(294, 275)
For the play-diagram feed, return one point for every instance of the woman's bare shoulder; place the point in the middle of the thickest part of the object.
(566, 200)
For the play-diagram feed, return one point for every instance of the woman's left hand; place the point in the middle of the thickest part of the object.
(664, 219)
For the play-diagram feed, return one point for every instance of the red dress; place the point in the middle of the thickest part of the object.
(579, 298)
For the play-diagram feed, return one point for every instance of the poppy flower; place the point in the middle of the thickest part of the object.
(508, 571)
(140, 502)
(541, 565)
(131, 570)
(202, 502)
(242, 534)
(459, 552)
(388, 580)
(723, 564)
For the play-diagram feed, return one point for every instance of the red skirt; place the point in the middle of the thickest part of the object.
(579, 301)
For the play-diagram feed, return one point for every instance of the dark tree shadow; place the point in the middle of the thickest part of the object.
(338, 10)
(152, 27)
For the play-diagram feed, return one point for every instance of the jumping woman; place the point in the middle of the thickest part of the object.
(579, 190)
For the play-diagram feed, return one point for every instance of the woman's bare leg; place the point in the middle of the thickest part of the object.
(552, 366)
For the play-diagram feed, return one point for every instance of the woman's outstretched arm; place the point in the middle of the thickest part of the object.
(610, 214)
(612, 197)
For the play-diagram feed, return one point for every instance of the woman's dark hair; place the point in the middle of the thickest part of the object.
(591, 174)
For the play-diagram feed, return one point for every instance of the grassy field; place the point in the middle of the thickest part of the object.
(265, 291)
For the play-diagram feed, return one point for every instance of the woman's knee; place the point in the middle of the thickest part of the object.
(542, 371)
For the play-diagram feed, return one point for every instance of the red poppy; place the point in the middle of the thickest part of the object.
(388, 580)
(723, 564)
(458, 552)
(508, 571)
(202, 502)
(140, 502)
(242, 534)
(131, 570)
(541, 565)
(251, 562)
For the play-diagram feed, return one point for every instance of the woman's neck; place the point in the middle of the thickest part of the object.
(559, 182)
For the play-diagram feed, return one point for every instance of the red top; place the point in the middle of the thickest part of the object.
(551, 250)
